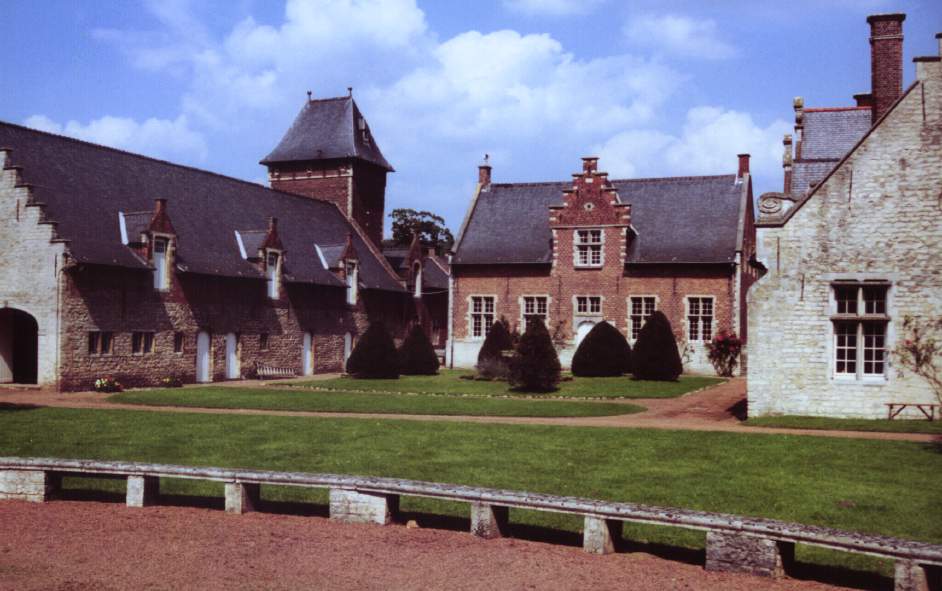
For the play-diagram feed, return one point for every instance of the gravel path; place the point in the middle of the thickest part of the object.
(79, 546)
(709, 409)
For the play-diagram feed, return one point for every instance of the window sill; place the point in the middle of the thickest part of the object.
(862, 381)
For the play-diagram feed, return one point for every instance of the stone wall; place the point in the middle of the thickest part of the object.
(30, 266)
(876, 217)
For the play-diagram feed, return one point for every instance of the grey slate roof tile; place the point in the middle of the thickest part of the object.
(681, 219)
(84, 186)
(328, 129)
(831, 133)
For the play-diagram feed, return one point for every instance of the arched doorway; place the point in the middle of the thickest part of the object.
(202, 357)
(307, 355)
(19, 347)
(347, 349)
(233, 362)
(582, 330)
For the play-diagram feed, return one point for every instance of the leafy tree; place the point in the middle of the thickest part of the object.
(920, 351)
(430, 228)
(375, 355)
(724, 352)
(603, 352)
(417, 355)
(491, 360)
(535, 365)
(655, 356)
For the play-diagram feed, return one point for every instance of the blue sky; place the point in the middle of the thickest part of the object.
(655, 88)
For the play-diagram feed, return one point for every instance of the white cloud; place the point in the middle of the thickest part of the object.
(708, 144)
(552, 7)
(679, 35)
(162, 138)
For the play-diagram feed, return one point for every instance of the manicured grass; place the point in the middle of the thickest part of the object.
(885, 487)
(306, 400)
(894, 426)
(449, 381)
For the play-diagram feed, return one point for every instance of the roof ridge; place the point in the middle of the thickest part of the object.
(635, 180)
(153, 159)
(829, 109)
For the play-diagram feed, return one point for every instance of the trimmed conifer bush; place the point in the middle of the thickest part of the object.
(375, 355)
(603, 352)
(535, 365)
(492, 363)
(655, 356)
(417, 355)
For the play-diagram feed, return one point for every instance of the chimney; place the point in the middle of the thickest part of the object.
(864, 99)
(799, 105)
(590, 164)
(272, 225)
(787, 163)
(160, 207)
(743, 165)
(886, 61)
(484, 171)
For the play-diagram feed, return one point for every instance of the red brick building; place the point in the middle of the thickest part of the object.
(594, 249)
(122, 265)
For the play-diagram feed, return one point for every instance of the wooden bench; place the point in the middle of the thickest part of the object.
(263, 370)
(758, 546)
(893, 409)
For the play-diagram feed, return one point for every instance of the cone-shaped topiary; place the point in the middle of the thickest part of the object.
(491, 361)
(375, 355)
(417, 355)
(655, 356)
(535, 365)
(603, 352)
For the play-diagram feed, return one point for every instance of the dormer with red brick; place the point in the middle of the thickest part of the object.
(329, 153)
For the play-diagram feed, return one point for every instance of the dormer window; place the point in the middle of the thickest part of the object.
(352, 270)
(161, 263)
(273, 273)
(588, 248)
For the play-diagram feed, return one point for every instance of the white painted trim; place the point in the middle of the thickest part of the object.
(522, 304)
(123, 226)
(469, 315)
(686, 323)
(320, 255)
(657, 306)
(576, 245)
(241, 244)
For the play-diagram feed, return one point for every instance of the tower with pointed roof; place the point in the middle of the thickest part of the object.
(329, 153)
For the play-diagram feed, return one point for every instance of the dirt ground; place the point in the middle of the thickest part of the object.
(85, 545)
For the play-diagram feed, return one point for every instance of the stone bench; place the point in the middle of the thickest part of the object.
(757, 546)
(264, 371)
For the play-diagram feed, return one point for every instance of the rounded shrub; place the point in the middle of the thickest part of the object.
(417, 355)
(492, 363)
(603, 352)
(535, 365)
(655, 356)
(375, 355)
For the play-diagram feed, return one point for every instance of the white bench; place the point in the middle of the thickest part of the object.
(263, 370)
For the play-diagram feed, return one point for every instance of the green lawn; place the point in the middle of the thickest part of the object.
(894, 426)
(307, 400)
(885, 487)
(449, 381)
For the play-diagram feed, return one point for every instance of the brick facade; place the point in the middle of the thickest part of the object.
(875, 218)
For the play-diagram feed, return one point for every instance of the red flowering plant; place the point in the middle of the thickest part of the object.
(723, 352)
(919, 350)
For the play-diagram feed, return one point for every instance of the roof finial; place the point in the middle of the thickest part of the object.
(309, 93)
(349, 91)
(487, 158)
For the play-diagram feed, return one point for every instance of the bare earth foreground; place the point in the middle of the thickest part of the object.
(75, 545)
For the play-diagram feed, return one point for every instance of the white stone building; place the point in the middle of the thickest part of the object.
(847, 260)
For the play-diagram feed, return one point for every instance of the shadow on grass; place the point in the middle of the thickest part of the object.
(13, 407)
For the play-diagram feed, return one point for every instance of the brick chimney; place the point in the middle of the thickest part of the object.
(886, 61)
(743, 165)
(484, 171)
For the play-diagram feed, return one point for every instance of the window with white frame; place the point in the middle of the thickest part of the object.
(700, 318)
(482, 315)
(588, 251)
(161, 259)
(352, 279)
(588, 304)
(535, 307)
(273, 273)
(860, 326)
(639, 309)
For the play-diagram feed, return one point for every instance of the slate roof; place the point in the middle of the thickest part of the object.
(434, 275)
(328, 129)
(83, 187)
(678, 220)
(828, 134)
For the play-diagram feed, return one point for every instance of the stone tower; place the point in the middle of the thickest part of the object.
(329, 153)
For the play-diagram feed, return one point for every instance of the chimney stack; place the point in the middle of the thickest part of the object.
(484, 171)
(590, 164)
(886, 61)
(743, 165)
(787, 163)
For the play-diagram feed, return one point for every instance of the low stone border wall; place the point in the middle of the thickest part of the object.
(762, 547)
